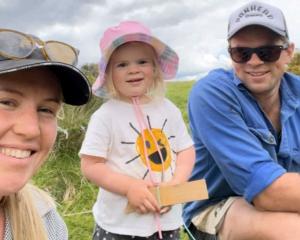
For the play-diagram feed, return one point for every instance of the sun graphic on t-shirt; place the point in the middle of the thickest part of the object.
(152, 142)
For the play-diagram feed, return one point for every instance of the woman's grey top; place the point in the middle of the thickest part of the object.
(54, 224)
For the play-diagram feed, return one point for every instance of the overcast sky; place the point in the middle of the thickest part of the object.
(195, 29)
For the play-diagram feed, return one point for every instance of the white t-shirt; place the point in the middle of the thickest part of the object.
(114, 134)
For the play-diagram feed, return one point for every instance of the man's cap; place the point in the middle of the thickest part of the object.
(257, 13)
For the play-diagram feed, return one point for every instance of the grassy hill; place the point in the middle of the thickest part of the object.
(61, 174)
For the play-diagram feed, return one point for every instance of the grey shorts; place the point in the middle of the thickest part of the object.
(101, 234)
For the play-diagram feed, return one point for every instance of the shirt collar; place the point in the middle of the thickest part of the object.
(288, 91)
(239, 84)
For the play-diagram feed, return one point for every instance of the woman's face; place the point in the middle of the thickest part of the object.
(29, 102)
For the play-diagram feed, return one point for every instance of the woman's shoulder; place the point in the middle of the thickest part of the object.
(46, 208)
(42, 200)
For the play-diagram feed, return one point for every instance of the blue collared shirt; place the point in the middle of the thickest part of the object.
(238, 151)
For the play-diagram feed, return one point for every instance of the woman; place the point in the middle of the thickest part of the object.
(35, 78)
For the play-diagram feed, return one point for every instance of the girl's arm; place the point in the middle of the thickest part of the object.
(184, 165)
(97, 171)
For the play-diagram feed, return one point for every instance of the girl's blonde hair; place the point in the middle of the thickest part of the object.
(157, 90)
(25, 220)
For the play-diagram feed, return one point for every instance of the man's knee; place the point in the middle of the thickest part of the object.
(244, 222)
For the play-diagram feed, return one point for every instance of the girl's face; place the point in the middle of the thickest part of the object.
(132, 70)
(29, 102)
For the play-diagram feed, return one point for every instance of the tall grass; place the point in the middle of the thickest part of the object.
(61, 175)
(178, 93)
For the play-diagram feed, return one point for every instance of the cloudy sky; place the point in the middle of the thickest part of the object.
(195, 29)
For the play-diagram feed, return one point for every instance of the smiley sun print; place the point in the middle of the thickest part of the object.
(159, 160)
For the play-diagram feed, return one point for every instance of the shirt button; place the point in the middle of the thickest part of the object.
(271, 139)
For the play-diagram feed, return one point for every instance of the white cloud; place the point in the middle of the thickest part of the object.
(195, 29)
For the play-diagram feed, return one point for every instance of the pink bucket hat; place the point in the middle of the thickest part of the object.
(131, 31)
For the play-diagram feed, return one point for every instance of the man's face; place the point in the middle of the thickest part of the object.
(261, 78)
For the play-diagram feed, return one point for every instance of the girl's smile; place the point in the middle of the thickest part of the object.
(132, 68)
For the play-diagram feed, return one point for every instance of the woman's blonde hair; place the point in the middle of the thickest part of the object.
(25, 220)
(157, 89)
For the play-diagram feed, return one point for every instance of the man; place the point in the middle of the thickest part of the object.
(246, 127)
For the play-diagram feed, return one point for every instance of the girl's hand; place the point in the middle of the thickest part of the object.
(164, 209)
(141, 198)
(172, 182)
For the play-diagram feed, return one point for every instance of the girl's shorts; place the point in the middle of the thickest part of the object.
(101, 234)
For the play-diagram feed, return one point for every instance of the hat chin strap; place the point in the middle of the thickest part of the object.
(142, 125)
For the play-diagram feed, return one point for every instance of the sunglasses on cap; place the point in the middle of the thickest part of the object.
(17, 45)
(265, 53)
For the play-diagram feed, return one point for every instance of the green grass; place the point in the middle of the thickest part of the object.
(61, 174)
(178, 93)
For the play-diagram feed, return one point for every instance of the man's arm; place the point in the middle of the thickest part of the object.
(282, 195)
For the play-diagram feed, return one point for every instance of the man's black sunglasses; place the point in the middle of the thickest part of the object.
(265, 53)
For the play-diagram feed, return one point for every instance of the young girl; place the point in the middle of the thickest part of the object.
(137, 139)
